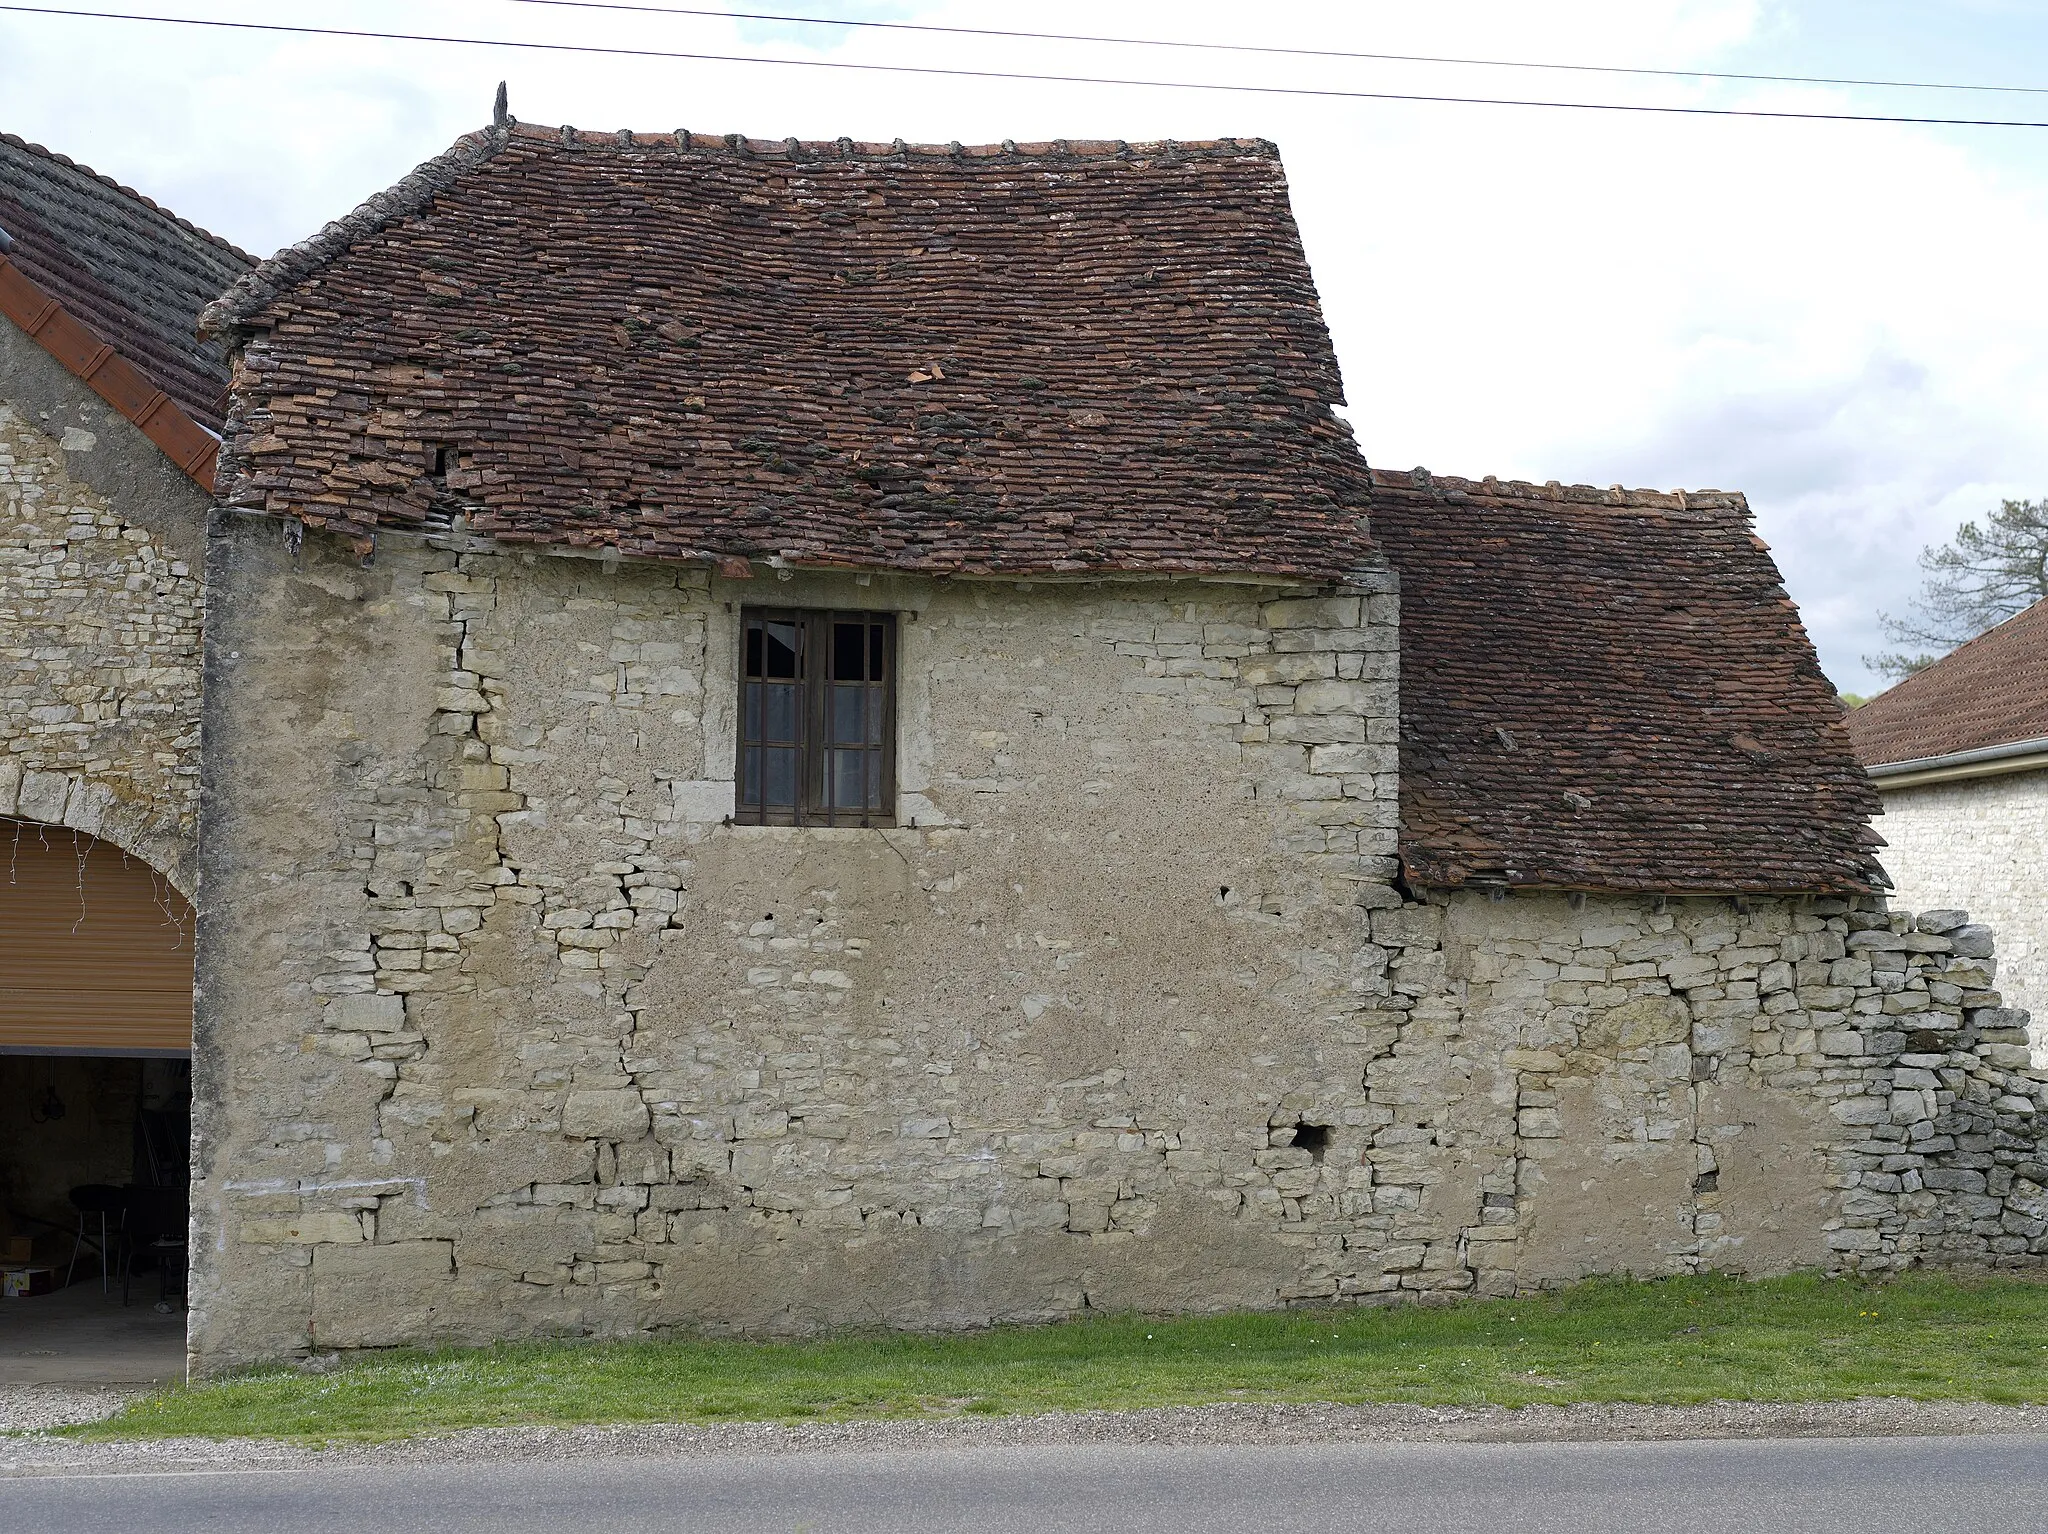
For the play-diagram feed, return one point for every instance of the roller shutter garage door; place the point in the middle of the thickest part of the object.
(95, 948)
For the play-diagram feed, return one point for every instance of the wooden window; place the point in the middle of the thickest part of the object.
(817, 718)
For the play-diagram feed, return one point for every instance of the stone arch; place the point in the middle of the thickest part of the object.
(78, 803)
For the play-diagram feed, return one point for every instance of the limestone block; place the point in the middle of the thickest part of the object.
(42, 795)
(1337, 697)
(364, 1013)
(1312, 613)
(374, 1296)
(608, 1114)
(303, 1230)
(1973, 942)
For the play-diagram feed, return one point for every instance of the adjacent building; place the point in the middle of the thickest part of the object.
(1959, 752)
(110, 409)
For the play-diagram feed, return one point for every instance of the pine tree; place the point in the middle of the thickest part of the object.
(1977, 580)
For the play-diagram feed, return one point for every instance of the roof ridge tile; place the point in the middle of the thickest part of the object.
(1493, 487)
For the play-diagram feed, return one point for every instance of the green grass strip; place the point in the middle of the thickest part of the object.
(1803, 1338)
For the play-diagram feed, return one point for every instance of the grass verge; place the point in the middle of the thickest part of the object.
(1802, 1338)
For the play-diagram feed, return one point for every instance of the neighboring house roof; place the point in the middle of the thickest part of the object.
(131, 272)
(1608, 689)
(1990, 692)
(1018, 359)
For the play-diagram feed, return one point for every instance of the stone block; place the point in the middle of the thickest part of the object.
(608, 1114)
(1337, 697)
(379, 1295)
(364, 1013)
(1312, 613)
(303, 1229)
(1973, 942)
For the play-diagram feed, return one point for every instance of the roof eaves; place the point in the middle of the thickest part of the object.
(110, 375)
(1983, 762)
(292, 265)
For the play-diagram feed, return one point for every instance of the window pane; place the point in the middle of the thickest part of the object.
(780, 642)
(781, 778)
(848, 659)
(753, 649)
(875, 632)
(874, 760)
(781, 720)
(846, 712)
(846, 780)
(875, 711)
(751, 729)
(750, 775)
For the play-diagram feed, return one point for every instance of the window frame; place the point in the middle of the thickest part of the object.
(814, 664)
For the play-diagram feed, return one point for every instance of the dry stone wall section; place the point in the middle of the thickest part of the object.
(1978, 844)
(1758, 1087)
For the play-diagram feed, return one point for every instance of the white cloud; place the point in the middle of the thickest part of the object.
(1834, 317)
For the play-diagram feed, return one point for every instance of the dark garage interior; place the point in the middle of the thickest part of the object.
(95, 1107)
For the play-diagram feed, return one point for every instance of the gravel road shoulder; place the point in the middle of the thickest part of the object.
(35, 1453)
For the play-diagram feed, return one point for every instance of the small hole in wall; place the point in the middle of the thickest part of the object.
(1707, 1182)
(1223, 893)
(1313, 1138)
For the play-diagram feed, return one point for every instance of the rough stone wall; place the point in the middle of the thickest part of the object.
(1789, 1083)
(503, 1030)
(100, 610)
(1978, 844)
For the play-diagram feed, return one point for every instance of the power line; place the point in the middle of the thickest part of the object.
(1268, 48)
(999, 74)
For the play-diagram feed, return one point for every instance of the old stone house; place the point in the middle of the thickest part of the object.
(109, 414)
(813, 734)
(1959, 753)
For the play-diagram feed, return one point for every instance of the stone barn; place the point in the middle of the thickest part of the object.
(109, 417)
(803, 735)
(1959, 753)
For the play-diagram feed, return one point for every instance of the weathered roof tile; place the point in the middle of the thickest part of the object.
(1608, 689)
(132, 272)
(1040, 358)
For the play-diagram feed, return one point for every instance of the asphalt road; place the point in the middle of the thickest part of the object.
(1925, 1485)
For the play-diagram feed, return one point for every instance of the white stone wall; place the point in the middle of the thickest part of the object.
(1981, 845)
(99, 658)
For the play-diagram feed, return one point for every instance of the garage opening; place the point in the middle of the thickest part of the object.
(95, 1085)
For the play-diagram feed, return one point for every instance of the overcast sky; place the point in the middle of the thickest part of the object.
(1844, 320)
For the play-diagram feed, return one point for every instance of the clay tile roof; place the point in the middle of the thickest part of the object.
(133, 273)
(1992, 691)
(1607, 689)
(1004, 359)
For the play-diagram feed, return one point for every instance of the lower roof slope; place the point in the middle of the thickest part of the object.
(1992, 691)
(1611, 690)
(133, 273)
(1041, 358)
